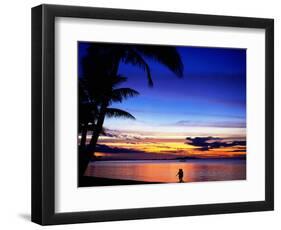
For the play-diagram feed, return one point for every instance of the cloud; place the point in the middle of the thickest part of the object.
(117, 134)
(218, 124)
(116, 150)
(238, 151)
(206, 143)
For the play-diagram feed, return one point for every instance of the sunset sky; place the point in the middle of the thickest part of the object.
(202, 114)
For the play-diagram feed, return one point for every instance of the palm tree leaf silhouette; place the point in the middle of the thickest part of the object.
(134, 58)
(117, 80)
(167, 56)
(118, 95)
(113, 112)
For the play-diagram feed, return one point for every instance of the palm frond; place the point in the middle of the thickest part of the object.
(168, 56)
(118, 95)
(136, 59)
(113, 112)
(117, 80)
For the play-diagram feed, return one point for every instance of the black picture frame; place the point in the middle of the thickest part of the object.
(43, 110)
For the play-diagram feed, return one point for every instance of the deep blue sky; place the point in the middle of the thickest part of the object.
(212, 92)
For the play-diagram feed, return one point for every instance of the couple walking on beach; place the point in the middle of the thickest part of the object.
(180, 175)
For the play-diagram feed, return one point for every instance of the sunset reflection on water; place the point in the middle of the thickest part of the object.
(165, 171)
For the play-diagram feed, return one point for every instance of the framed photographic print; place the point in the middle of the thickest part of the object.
(142, 114)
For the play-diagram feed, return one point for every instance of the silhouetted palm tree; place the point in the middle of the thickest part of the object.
(95, 120)
(110, 95)
(100, 71)
(104, 59)
(87, 111)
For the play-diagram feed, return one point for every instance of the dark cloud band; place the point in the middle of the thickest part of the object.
(206, 143)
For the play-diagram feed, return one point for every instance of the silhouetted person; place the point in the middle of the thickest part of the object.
(180, 175)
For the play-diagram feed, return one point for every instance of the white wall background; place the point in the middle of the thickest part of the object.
(15, 114)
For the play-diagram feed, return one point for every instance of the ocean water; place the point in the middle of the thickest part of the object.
(166, 170)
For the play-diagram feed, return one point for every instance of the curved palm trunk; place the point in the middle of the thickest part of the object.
(115, 59)
(86, 154)
(83, 140)
(83, 154)
(99, 125)
(84, 157)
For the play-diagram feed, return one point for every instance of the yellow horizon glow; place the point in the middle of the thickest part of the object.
(176, 147)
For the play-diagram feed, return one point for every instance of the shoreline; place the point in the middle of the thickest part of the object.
(87, 181)
(172, 160)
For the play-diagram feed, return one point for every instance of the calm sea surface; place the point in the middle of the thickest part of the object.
(166, 170)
